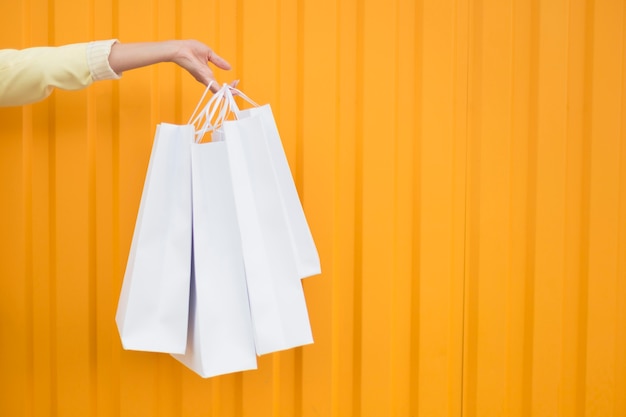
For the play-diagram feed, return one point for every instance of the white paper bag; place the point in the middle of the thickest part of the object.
(306, 255)
(153, 305)
(277, 304)
(220, 329)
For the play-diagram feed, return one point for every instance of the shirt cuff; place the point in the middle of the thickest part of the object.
(98, 60)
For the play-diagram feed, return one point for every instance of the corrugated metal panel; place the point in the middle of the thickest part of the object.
(463, 167)
(545, 277)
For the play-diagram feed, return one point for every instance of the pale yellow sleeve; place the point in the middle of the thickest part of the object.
(31, 74)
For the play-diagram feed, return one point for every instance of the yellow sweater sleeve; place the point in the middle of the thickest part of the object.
(31, 74)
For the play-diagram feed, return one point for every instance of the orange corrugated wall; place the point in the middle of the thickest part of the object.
(462, 164)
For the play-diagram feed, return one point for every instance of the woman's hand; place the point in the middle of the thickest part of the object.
(192, 55)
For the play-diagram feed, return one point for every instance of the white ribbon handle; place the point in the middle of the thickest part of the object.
(208, 88)
(232, 104)
(239, 93)
(212, 116)
(217, 110)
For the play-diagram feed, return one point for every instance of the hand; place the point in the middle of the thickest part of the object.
(192, 55)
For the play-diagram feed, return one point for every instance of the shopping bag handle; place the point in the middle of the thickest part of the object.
(217, 109)
(238, 93)
(212, 114)
(209, 110)
(208, 88)
(195, 115)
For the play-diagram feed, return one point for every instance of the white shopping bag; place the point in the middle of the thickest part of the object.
(153, 308)
(277, 304)
(306, 255)
(276, 298)
(220, 338)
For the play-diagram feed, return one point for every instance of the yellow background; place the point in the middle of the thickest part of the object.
(462, 164)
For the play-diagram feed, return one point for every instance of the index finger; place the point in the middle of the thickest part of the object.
(218, 61)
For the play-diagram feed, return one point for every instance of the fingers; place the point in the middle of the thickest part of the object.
(218, 61)
(198, 58)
